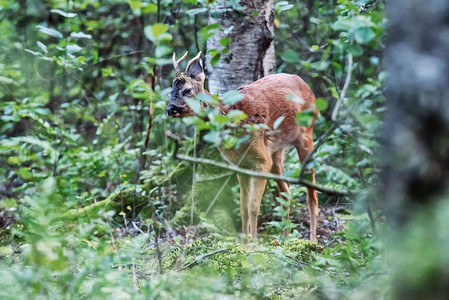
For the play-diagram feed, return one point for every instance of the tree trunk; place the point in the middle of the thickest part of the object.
(416, 164)
(417, 125)
(251, 51)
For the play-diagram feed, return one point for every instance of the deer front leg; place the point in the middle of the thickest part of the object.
(244, 183)
(283, 187)
(257, 190)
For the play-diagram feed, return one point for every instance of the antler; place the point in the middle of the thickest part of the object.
(176, 62)
(193, 60)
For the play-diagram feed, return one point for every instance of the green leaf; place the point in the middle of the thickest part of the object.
(363, 35)
(14, 160)
(215, 58)
(194, 2)
(290, 56)
(204, 32)
(203, 97)
(195, 11)
(63, 13)
(25, 173)
(42, 46)
(246, 264)
(159, 28)
(221, 119)
(342, 24)
(194, 105)
(304, 118)
(321, 65)
(334, 92)
(232, 97)
(73, 48)
(134, 4)
(33, 52)
(212, 137)
(105, 72)
(237, 115)
(80, 35)
(162, 51)
(355, 50)
(293, 97)
(225, 41)
(157, 32)
(286, 7)
(321, 104)
(139, 89)
(278, 122)
(49, 31)
(6, 80)
(148, 8)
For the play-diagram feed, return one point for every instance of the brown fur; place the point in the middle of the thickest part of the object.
(265, 100)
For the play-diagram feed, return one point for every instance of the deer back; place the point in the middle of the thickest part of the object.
(270, 98)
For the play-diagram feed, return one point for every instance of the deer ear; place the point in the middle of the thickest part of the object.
(197, 71)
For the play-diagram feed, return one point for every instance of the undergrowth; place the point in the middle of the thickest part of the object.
(97, 260)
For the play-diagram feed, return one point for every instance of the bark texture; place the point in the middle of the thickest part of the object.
(417, 125)
(251, 52)
(416, 169)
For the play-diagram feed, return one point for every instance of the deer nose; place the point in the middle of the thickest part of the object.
(173, 110)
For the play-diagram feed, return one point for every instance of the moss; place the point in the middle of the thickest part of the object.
(300, 249)
(238, 259)
(118, 201)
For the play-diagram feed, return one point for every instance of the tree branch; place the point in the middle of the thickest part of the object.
(255, 174)
(344, 89)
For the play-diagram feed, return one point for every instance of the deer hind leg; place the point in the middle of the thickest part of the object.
(304, 147)
(245, 185)
(283, 187)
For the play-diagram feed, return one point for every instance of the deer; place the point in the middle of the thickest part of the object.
(264, 101)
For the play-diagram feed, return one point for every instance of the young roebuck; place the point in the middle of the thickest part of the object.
(265, 101)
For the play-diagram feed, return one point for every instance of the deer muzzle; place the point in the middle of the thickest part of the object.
(173, 110)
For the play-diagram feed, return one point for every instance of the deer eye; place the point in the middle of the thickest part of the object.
(186, 92)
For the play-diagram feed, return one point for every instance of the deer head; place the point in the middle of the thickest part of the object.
(185, 85)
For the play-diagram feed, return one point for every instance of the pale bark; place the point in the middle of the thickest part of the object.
(251, 52)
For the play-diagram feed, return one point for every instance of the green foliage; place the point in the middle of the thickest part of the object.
(90, 198)
(225, 257)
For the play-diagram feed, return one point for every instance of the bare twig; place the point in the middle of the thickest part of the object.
(215, 177)
(192, 209)
(333, 118)
(143, 159)
(114, 57)
(344, 89)
(217, 194)
(201, 257)
(137, 228)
